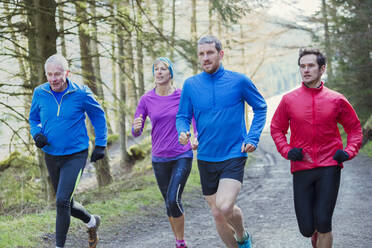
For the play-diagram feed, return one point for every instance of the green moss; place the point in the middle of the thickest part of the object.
(19, 186)
(367, 149)
(23, 232)
(112, 139)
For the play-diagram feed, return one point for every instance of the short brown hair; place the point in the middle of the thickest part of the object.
(209, 39)
(320, 58)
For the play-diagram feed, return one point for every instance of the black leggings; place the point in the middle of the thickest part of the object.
(171, 177)
(315, 195)
(65, 172)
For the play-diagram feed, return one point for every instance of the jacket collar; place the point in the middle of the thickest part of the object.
(217, 74)
(70, 87)
(318, 89)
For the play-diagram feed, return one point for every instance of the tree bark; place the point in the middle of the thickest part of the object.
(84, 41)
(132, 99)
(160, 10)
(327, 42)
(42, 40)
(210, 17)
(173, 37)
(122, 93)
(114, 66)
(194, 35)
(367, 131)
(140, 76)
(61, 20)
(102, 166)
(242, 40)
(97, 63)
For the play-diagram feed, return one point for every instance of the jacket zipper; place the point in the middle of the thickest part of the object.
(214, 94)
(58, 104)
(314, 129)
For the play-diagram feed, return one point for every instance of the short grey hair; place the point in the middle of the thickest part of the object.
(209, 39)
(57, 58)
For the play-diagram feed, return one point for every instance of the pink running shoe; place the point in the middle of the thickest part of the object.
(314, 239)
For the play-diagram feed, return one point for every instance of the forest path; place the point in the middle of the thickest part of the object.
(267, 203)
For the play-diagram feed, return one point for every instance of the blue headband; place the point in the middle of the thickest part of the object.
(167, 62)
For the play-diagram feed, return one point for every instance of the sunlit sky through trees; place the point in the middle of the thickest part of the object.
(292, 9)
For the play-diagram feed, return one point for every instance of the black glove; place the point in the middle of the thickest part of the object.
(98, 153)
(341, 156)
(40, 140)
(295, 154)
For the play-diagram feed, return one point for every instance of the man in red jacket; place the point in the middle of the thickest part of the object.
(315, 148)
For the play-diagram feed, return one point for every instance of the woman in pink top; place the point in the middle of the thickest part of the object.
(171, 161)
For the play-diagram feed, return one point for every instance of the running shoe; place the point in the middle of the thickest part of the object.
(246, 243)
(181, 246)
(314, 239)
(93, 236)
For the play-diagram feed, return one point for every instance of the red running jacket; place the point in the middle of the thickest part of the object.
(312, 115)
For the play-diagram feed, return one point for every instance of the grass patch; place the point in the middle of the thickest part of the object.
(22, 232)
(367, 149)
(20, 187)
(120, 202)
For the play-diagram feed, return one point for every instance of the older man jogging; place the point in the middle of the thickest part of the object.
(57, 120)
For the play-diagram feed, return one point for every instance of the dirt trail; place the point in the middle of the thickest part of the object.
(267, 203)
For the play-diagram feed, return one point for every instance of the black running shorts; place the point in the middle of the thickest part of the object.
(211, 173)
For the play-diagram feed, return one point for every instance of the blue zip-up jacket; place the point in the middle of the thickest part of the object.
(217, 102)
(64, 124)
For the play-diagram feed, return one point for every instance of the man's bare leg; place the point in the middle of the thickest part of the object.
(224, 229)
(227, 215)
(228, 190)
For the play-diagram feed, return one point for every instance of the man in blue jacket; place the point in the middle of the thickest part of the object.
(216, 98)
(57, 120)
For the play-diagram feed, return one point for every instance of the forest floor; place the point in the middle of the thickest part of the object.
(267, 204)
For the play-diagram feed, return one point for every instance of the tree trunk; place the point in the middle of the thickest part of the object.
(226, 34)
(140, 76)
(367, 131)
(103, 171)
(42, 39)
(114, 66)
(160, 10)
(132, 88)
(173, 37)
(219, 26)
(97, 64)
(132, 99)
(194, 35)
(84, 41)
(61, 19)
(102, 166)
(46, 33)
(242, 40)
(210, 17)
(122, 94)
(327, 42)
